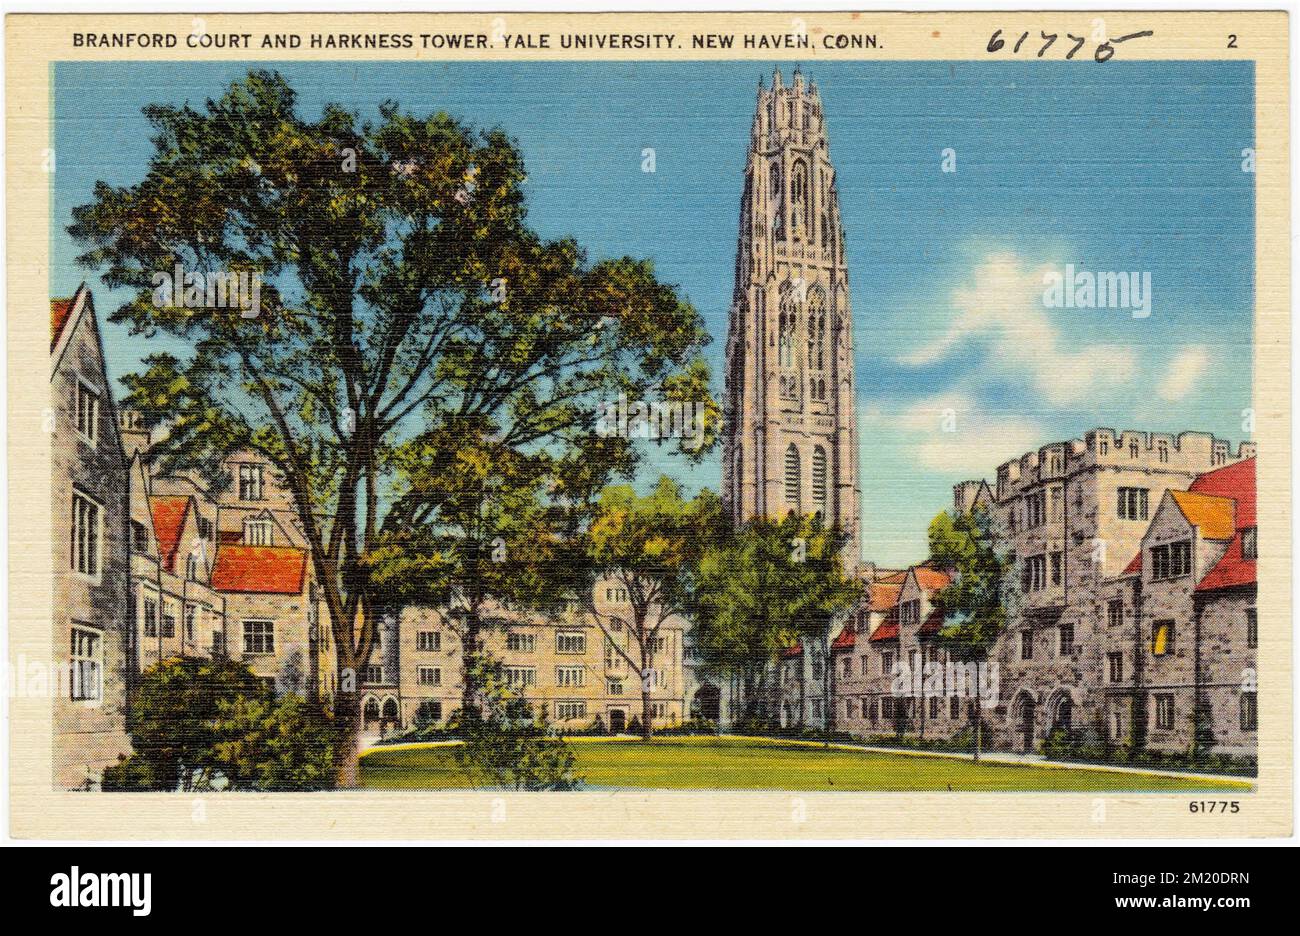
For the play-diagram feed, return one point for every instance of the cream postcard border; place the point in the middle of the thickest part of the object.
(34, 42)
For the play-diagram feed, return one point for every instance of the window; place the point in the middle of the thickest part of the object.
(1033, 573)
(819, 480)
(1131, 503)
(847, 668)
(250, 482)
(218, 644)
(1114, 613)
(1133, 449)
(1056, 568)
(570, 677)
(1116, 661)
(259, 637)
(151, 615)
(87, 520)
(850, 708)
(1162, 638)
(793, 481)
(864, 666)
(257, 533)
(1164, 711)
(430, 641)
(615, 686)
(1026, 645)
(568, 711)
(887, 663)
(1066, 639)
(87, 664)
(954, 707)
(139, 537)
(570, 642)
(429, 676)
(1103, 446)
(87, 411)
(1172, 560)
(1252, 628)
(909, 613)
(1249, 543)
(658, 710)
(429, 711)
(1249, 712)
(169, 619)
(373, 674)
(191, 615)
(934, 706)
(888, 707)
(205, 528)
(1036, 509)
(520, 677)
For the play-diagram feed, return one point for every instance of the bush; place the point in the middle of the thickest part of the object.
(212, 725)
(511, 748)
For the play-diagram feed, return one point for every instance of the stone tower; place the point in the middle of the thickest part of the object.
(791, 433)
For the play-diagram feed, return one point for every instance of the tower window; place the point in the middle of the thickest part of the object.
(793, 481)
(819, 480)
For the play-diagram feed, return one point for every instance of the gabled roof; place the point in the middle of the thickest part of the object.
(846, 639)
(931, 579)
(1238, 482)
(886, 631)
(884, 595)
(1213, 516)
(168, 523)
(932, 624)
(60, 310)
(267, 570)
(1230, 570)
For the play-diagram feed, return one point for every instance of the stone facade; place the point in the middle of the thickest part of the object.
(791, 431)
(90, 557)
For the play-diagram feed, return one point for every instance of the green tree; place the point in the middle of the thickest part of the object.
(650, 549)
(402, 297)
(761, 588)
(976, 601)
(200, 724)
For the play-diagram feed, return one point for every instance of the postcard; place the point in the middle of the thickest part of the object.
(669, 425)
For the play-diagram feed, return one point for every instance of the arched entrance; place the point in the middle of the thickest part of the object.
(1063, 713)
(390, 709)
(1026, 710)
(370, 711)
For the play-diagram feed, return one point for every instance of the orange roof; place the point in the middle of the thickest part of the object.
(931, 579)
(168, 523)
(60, 309)
(884, 596)
(846, 639)
(1212, 515)
(897, 578)
(1236, 481)
(268, 570)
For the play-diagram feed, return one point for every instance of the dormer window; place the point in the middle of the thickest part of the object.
(1249, 543)
(257, 533)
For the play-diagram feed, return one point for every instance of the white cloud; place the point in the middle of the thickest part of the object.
(1003, 303)
(948, 433)
(1184, 372)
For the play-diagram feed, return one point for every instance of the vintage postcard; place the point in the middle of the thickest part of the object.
(781, 425)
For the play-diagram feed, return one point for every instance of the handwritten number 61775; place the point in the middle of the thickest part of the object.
(1071, 43)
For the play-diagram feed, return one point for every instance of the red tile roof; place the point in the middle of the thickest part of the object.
(932, 624)
(846, 639)
(59, 311)
(886, 631)
(268, 570)
(931, 579)
(793, 650)
(884, 596)
(1236, 481)
(168, 523)
(1134, 565)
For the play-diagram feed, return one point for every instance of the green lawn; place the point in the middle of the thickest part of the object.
(757, 764)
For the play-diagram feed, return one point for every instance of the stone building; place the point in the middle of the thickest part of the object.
(1072, 514)
(566, 664)
(1179, 624)
(89, 527)
(791, 433)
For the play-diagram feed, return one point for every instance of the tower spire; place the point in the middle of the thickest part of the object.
(791, 429)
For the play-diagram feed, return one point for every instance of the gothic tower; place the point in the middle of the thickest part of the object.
(791, 432)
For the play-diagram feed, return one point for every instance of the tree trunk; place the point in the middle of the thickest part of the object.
(471, 654)
(647, 681)
(347, 759)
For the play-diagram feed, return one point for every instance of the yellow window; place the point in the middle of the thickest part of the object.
(1160, 639)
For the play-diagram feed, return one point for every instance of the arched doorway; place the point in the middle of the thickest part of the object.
(390, 709)
(1063, 713)
(1026, 711)
(370, 710)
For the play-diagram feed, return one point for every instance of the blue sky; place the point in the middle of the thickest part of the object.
(1130, 166)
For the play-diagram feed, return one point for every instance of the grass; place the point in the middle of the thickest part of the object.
(763, 764)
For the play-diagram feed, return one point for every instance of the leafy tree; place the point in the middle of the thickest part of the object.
(650, 548)
(200, 724)
(976, 601)
(406, 311)
(761, 588)
(505, 744)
